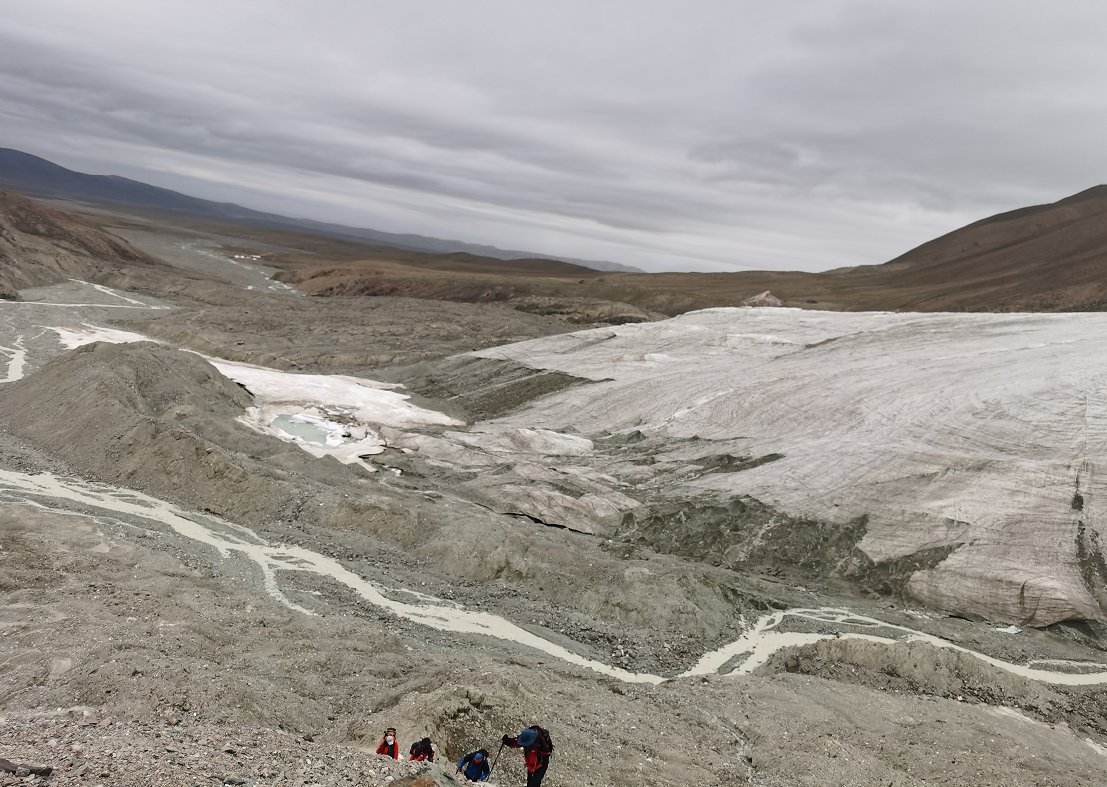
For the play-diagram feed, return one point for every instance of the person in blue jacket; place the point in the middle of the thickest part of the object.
(474, 766)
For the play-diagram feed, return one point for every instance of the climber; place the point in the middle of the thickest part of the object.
(474, 766)
(389, 746)
(537, 747)
(422, 750)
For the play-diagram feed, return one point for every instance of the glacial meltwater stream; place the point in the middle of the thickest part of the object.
(750, 651)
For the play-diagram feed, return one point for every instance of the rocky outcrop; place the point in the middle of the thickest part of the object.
(765, 298)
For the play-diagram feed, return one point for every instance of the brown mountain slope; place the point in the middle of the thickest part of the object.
(42, 245)
(1042, 258)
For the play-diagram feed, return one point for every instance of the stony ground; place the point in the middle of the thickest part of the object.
(87, 748)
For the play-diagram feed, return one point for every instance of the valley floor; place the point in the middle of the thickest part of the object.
(188, 600)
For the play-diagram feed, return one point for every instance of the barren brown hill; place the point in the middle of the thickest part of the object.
(42, 245)
(1042, 258)
(576, 293)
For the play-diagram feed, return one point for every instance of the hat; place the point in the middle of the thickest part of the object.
(478, 757)
(527, 737)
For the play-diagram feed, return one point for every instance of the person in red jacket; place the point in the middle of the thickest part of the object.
(389, 746)
(537, 748)
(422, 750)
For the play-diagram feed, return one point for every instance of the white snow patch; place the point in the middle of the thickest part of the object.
(346, 409)
(367, 401)
(87, 334)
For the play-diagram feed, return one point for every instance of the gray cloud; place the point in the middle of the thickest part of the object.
(716, 136)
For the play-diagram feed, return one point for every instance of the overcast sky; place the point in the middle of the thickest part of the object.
(710, 135)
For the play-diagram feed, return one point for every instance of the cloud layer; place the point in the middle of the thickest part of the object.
(715, 135)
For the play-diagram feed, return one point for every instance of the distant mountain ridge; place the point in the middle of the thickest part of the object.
(42, 178)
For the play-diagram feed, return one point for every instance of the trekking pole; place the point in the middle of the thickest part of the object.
(492, 767)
